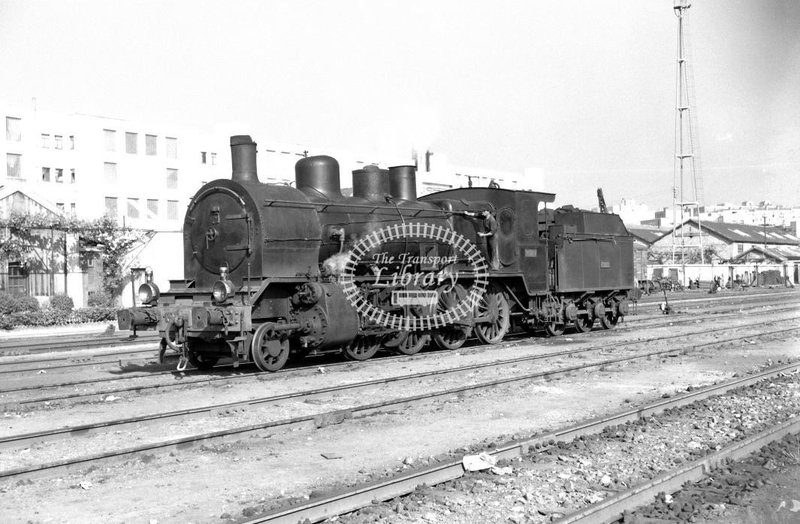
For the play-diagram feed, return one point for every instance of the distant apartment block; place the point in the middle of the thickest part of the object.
(89, 166)
(144, 174)
(747, 213)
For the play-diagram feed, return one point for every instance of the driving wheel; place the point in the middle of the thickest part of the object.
(495, 313)
(362, 347)
(453, 335)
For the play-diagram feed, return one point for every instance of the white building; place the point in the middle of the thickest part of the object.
(631, 211)
(747, 213)
(144, 173)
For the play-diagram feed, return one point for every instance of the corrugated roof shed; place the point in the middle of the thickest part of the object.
(779, 254)
(748, 234)
(648, 236)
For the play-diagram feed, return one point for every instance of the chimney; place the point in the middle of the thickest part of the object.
(243, 158)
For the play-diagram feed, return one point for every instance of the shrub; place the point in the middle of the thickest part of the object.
(17, 303)
(62, 303)
(96, 314)
(55, 317)
(101, 299)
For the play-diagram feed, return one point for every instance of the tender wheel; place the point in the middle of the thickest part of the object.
(452, 336)
(362, 347)
(554, 329)
(412, 342)
(609, 320)
(268, 352)
(584, 323)
(494, 305)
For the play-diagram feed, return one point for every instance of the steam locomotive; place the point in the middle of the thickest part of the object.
(273, 271)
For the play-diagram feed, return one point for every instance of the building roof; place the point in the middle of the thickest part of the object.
(743, 233)
(647, 236)
(14, 198)
(778, 254)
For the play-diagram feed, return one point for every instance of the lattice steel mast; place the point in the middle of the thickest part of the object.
(686, 156)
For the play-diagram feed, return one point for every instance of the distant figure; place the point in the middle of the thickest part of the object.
(491, 228)
(494, 185)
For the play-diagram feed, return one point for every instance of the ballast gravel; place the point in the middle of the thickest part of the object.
(562, 477)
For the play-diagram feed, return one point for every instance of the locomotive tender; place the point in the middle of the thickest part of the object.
(269, 270)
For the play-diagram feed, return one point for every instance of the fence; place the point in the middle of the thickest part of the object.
(750, 273)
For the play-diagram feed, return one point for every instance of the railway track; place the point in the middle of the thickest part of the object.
(65, 362)
(237, 433)
(611, 508)
(206, 379)
(61, 344)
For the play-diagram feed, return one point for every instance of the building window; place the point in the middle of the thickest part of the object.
(213, 159)
(172, 178)
(59, 175)
(13, 129)
(13, 165)
(59, 142)
(740, 248)
(60, 206)
(150, 145)
(133, 208)
(72, 208)
(45, 141)
(110, 140)
(110, 172)
(111, 207)
(72, 176)
(72, 141)
(172, 209)
(202, 157)
(152, 209)
(45, 174)
(130, 142)
(172, 147)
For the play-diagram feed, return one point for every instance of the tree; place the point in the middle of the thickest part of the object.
(39, 241)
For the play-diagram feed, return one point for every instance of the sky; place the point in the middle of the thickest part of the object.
(582, 93)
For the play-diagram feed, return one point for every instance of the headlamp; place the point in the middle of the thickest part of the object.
(148, 292)
(222, 289)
